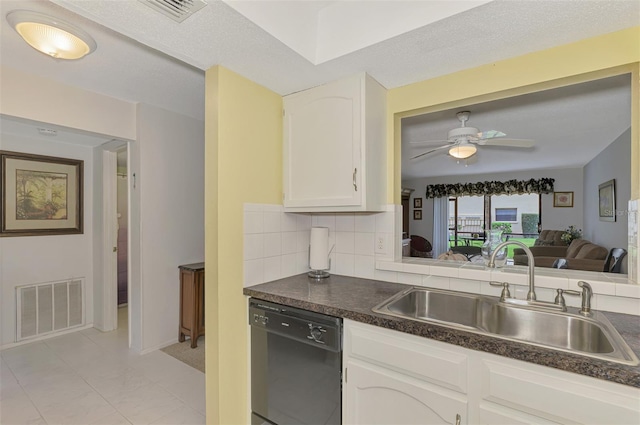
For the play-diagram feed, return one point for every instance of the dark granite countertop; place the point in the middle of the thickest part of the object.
(353, 298)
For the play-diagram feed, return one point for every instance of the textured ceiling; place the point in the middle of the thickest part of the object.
(143, 56)
(120, 67)
(217, 35)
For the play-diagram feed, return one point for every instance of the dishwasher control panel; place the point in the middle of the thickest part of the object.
(305, 326)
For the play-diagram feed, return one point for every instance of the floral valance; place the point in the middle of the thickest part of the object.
(509, 187)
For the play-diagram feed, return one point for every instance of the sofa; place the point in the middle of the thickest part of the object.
(551, 238)
(581, 254)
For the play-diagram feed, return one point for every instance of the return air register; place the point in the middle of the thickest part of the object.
(49, 307)
(178, 10)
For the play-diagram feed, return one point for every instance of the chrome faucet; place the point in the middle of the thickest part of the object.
(531, 295)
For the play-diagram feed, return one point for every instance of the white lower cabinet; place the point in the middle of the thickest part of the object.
(391, 379)
(378, 396)
(554, 396)
(396, 378)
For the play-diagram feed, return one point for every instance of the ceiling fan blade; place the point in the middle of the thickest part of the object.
(516, 143)
(429, 142)
(490, 134)
(431, 151)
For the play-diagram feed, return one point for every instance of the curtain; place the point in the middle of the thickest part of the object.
(509, 187)
(440, 226)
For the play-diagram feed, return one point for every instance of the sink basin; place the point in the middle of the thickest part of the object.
(592, 336)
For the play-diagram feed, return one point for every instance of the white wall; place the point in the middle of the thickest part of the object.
(40, 99)
(34, 259)
(168, 155)
(168, 161)
(614, 162)
(569, 179)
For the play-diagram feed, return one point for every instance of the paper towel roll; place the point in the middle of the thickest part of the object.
(319, 251)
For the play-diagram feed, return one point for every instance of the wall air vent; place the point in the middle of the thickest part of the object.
(50, 307)
(178, 10)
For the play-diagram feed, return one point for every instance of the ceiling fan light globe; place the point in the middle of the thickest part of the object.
(462, 151)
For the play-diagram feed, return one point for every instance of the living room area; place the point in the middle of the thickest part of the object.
(563, 192)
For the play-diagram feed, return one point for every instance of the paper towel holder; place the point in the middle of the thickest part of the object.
(320, 274)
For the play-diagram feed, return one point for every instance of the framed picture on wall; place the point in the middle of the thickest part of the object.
(417, 202)
(41, 195)
(607, 201)
(563, 199)
(417, 214)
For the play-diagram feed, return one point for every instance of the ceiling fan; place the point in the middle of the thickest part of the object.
(462, 141)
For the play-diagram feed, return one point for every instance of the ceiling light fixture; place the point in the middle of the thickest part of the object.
(463, 151)
(51, 36)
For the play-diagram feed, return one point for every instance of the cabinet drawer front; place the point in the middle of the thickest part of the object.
(408, 354)
(378, 396)
(493, 414)
(559, 396)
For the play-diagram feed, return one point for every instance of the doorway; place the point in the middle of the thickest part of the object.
(122, 190)
(114, 306)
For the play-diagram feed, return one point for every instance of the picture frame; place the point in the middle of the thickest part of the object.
(563, 199)
(417, 202)
(607, 200)
(40, 195)
(417, 214)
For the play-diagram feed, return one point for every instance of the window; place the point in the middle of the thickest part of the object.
(469, 216)
(506, 214)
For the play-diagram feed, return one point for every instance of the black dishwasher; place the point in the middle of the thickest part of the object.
(296, 366)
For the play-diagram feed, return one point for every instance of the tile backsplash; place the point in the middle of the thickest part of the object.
(276, 243)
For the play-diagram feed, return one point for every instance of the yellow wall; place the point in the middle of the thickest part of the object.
(554, 67)
(243, 163)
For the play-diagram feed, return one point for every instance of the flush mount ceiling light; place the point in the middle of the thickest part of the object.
(463, 150)
(51, 36)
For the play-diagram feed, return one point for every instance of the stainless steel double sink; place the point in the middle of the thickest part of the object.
(592, 336)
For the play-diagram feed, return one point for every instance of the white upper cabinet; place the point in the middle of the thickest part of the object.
(335, 147)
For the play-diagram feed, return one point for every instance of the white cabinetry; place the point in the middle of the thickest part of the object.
(551, 396)
(334, 150)
(396, 378)
(391, 379)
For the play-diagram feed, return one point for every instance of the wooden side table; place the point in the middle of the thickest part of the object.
(191, 302)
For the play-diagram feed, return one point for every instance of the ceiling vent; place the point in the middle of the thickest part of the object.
(178, 10)
(47, 132)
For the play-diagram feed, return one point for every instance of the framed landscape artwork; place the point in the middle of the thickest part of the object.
(607, 201)
(41, 195)
(563, 199)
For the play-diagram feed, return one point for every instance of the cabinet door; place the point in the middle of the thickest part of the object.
(322, 152)
(555, 395)
(376, 396)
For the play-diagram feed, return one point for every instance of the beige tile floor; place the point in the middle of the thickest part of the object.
(91, 377)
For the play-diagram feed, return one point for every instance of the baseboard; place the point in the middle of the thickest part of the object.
(158, 347)
(44, 337)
